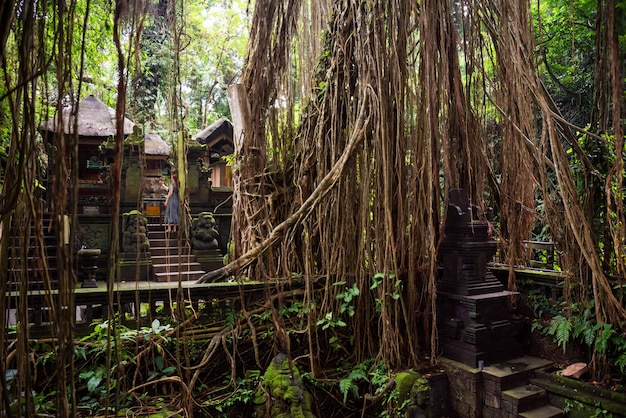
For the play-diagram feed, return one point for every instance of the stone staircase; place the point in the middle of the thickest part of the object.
(33, 263)
(580, 398)
(509, 393)
(501, 390)
(169, 262)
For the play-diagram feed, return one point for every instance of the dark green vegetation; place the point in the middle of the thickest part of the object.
(358, 117)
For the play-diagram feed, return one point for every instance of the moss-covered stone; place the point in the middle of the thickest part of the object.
(414, 391)
(135, 232)
(404, 383)
(288, 399)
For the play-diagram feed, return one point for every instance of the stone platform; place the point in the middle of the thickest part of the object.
(501, 390)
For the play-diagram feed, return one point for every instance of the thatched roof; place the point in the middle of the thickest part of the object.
(95, 119)
(214, 131)
(155, 145)
(218, 137)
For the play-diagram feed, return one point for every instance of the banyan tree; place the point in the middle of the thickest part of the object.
(357, 117)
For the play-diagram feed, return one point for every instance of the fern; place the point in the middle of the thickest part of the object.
(357, 374)
(602, 340)
(348, 385)
(621, 362)
(589, 335)
(560, 328)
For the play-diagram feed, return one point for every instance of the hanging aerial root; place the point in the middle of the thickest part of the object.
(315, 199)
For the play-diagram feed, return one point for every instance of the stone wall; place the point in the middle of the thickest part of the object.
(464, 388)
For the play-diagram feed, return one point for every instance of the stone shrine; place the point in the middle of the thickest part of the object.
(474, 320)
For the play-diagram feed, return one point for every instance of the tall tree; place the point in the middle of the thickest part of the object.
(391, 120)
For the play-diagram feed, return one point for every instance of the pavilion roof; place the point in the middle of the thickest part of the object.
(213, 132)
(95, 119)
(155, 145)
(218, 137)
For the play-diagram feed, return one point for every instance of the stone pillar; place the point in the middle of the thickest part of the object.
(88, 265)
(473, 314)
(199, 182)
(133, 183)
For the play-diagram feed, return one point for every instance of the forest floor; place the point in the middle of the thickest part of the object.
(544, 346)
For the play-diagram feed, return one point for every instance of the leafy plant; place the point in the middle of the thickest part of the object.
(601, 338)
(330, 322)
(94, 378)
(396, 287)
(242, 394)
(572, 405)
(561, 329)
(349, 385)
(346, 297)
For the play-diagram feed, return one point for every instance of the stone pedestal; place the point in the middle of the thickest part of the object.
(88, 266)
(135, 267)
(209, 259)
(474, 320)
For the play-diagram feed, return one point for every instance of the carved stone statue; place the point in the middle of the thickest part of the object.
(135, 232)
(204, 234)
(287, 397)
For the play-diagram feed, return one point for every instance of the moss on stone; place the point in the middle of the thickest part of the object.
(289, 399)
(404, 383)
(413, 392)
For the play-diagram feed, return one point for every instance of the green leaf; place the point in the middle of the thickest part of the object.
(168, 371)
(357, 374)
(86, 375)
(354, 290)
(158, 361)
(346, 386)
(80, 352)
(561, 329)
(602, 341)
(156, 326)
(95, 380)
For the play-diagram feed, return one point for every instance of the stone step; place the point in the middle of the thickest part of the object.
(166, 243)
(170, 262)
(168, 251)
(174, 267)
(588, 398)
(34, 270)
(160, 233)
(49, 249)
(506, 375)
(173, 258)
(34, 283)
(184, 275)
(49, 241)
(546, 411)
(523, 398)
